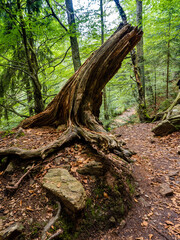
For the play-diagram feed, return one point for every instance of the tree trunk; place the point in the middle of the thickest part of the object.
(29, 94)
(32, 63)
(168, 59)
(79, 100)
(77, 105)
(143, 116)
(73, 36)
(140, 54)
(106, 115)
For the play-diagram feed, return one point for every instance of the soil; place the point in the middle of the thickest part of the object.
(152, 216)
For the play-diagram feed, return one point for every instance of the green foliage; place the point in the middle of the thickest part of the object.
(51, 43)
(164, 105)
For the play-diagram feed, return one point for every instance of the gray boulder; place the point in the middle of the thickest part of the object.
(70, 191)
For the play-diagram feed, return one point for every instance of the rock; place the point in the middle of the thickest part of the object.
(11, 232)
(66, 187)
(10, 168)
(66, 166)
(166, 190)
(61, 128)
(122, 223)
(144, 202)
(92, 168)
(112, 220)
(173, 173)
(58, 160)
(164, 128)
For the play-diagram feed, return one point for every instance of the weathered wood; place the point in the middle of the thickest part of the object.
(171, 119)
(77, 104)
(79, 97)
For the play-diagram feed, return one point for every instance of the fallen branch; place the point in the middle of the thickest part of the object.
(20, 180)
(60, 231)
(160, 233)
(51, 222)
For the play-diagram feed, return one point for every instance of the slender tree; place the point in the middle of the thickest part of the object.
(140, 53)
(143, 116)
(106, 114)
(73, 35)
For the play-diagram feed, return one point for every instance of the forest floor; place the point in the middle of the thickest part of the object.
(153, 215)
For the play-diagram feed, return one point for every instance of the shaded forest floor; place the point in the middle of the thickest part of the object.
(153, 215)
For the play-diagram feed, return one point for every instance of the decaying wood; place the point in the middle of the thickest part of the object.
(77, 104)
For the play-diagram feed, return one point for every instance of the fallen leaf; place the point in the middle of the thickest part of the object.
(150, 214)
(150, 236)
(144, 224)
(31, 191)
(85, 181)
(105, 195)
(29, 209)
(58, 185)
(169, 222)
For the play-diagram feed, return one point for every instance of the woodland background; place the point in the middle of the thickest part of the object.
(36, 59)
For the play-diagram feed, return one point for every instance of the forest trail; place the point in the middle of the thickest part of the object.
(153, 216)
(124, 118)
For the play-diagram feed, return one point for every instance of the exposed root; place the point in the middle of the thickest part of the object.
(66, 137)
(106, 145)
(20, 180)
(51, 222)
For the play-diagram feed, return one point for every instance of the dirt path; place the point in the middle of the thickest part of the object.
(153, 216)
(123, 118)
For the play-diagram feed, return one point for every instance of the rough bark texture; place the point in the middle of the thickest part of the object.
(143, 116)
(140, 53)
(171, 119)
(77, 104)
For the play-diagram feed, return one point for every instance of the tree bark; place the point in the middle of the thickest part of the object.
(106, 114)
(32, 62)
(143, 116)
(140, 53)
(79, 100)
(73, 35)
(77, 105)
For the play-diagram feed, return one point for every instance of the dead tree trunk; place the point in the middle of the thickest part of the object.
(79, 100)
(77, 104)
(171, 119)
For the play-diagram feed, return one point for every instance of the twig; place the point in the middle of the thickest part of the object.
(51, 222)
(60, 231)
(20, 180)
(160, 232)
